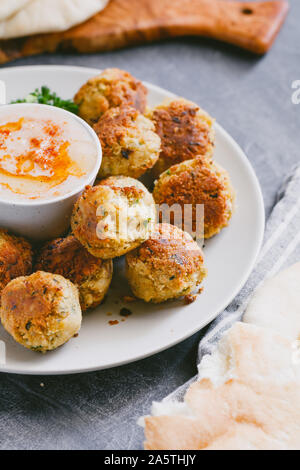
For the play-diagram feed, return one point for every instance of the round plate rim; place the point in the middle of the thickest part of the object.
(223, 304)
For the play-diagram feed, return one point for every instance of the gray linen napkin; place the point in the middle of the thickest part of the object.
(281, 248)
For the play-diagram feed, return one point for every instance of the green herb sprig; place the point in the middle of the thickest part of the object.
(44, 95)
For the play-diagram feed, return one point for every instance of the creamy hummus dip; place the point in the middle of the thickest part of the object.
(44, 153)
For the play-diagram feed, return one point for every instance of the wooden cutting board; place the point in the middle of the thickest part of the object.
(250, 25)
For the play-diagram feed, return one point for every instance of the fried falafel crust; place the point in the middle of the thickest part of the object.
(95, 206)
(41, 311)
(185, 130)
(67, 257)
(15, 257)
(129, 144)
(167, 266)
(112, 125)
(113, 87)
(196, 182)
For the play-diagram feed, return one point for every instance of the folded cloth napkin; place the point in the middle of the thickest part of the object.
(281, 248)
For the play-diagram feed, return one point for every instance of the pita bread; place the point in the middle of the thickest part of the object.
(256, 356)
(247, 397)
(276, 305)
(45, 16)
(11, 7)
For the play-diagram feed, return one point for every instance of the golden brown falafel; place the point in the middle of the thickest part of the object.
(167, 266)
(15, 258)
(114, 217)
(186, 131)
(67, 257)
(41, 311)
(113, 87)
(195, 182)
(129, 144)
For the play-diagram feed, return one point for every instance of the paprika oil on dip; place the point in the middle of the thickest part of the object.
(47, 157)
(43, 155)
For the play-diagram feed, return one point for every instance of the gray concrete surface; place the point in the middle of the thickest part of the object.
(251, 98)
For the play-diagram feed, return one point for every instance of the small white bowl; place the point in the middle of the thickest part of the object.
(46, 219)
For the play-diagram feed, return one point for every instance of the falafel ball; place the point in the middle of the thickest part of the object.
(167, 266)
(114, 217)
(186, 131)
(192, 183)
(129, 144)
(41, 311)
(15, 258)
(113, 87)
(67, 257)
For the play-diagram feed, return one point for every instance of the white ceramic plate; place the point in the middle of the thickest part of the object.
(229, 258)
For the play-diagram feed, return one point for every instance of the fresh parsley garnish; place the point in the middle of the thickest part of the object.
(44, 95)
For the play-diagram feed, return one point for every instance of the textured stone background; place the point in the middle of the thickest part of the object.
(251, 98)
